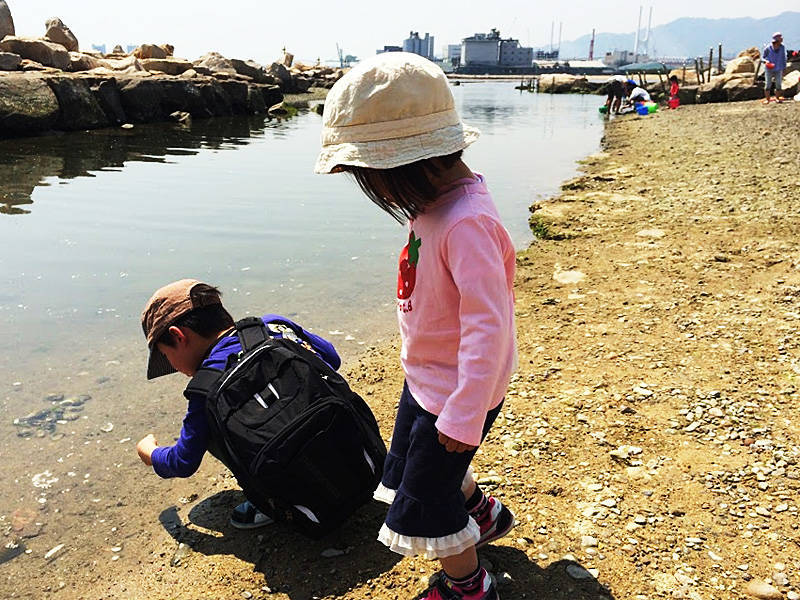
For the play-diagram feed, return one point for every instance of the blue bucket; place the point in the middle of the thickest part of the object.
(642, 110)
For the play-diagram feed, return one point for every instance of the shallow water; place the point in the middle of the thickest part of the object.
(91, 223)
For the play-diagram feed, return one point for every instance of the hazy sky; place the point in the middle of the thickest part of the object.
(259, 29)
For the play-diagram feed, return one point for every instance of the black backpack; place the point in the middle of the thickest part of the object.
(302, 445)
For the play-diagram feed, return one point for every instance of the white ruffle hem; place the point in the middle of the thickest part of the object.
(436, 547)
(384, 494)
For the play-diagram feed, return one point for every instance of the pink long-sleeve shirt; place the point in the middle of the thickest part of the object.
(455, 306)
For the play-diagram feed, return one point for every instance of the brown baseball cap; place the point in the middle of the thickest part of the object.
(163, 308)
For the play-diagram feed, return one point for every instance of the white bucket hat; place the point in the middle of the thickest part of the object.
(390, 110)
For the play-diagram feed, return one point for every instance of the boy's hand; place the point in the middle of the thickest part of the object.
(454, 445)
(145, 448)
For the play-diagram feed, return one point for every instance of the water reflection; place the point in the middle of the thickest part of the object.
(28, 163)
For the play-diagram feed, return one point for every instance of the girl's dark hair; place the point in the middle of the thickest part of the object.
(402, 191)
(205, 320)
(673, 78)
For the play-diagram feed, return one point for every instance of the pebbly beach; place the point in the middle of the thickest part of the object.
(647, 445)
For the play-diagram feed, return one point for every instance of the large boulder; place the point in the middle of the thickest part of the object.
(237, 92)
(791, 83)
(253, 70)
(753, 53)
(150, 51)
(6, 22)
(272, 94)
(44, 53)
(715, 91)
(58, 33)
(215, 62)
(146, 100)
(170, 66)
(281, 73)
(27, 105)
(79, 61)
(79, 107)
(741, 89)
(9, 61)
(741, 64)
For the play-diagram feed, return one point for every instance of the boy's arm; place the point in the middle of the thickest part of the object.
(184, 458)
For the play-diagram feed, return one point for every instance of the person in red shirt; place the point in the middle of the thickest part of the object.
(674, 88)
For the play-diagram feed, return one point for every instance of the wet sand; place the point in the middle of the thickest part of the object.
(649, 435)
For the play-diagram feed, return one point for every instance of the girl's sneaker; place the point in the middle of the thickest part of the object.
(446, 590)
(247, 516)
(494, 522)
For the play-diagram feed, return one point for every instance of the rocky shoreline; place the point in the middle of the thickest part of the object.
(47, 85)
(648, 445)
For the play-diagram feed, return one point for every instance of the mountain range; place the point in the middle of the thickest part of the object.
(691, 37)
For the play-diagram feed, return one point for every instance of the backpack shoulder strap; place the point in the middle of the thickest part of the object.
(251, 332)
(202, 383)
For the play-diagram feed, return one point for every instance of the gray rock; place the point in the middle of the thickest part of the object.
(107, 95)
(6, 22)
(578, 572)
(58, 33)
(9, 61)
(42, 52)
(251, 69)
(255, 101)
(27, 105)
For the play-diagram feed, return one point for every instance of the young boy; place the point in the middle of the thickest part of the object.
(187, 327)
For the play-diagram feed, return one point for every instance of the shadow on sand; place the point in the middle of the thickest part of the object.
(290, 562)
(293, 564)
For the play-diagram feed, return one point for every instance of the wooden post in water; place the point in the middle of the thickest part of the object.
(719, 58)
(710, 61)
(698, 68)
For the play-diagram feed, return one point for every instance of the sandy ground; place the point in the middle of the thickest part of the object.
(649, 436)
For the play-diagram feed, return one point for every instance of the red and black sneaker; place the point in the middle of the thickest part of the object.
(494, 522)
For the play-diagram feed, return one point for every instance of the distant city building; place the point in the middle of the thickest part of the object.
(490, 50)
(99, 47)
(452, 52)
(130, 48)
(389, 49)
(418, 45)
(619, 57)
(514, 55)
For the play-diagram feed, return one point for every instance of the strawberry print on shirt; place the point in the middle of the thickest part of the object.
(407, 274)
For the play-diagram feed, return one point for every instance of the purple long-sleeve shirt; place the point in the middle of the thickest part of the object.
(184, 458)
(777, 56)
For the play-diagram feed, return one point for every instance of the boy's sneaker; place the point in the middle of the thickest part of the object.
(496, 522)
(247, 516)
(445, 590)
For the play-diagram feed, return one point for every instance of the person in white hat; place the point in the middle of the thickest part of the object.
(391, 123)
(774, 56)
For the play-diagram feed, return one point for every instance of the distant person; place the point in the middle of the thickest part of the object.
(774, 56)
(616, 93)
(391, 123)
(674, 90)
(187, 328)
(636, 93)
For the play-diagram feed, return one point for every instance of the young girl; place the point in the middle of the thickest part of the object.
(391, 123)
(674, 89)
